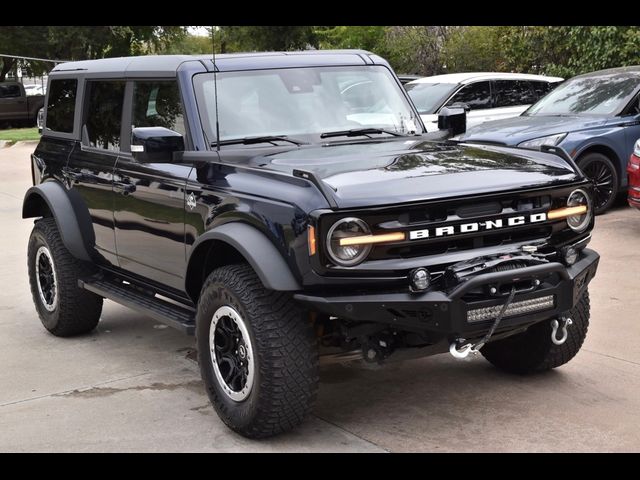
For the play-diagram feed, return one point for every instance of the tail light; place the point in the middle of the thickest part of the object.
(633, 169)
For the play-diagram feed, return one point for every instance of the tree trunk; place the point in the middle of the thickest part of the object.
(7, 65)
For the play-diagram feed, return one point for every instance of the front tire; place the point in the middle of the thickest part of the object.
(257, 353)
(64, 308)
(533, 351)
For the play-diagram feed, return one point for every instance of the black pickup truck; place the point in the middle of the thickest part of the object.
(16, 107)
(287, 208)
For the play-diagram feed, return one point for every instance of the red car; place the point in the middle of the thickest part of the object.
(633, 169)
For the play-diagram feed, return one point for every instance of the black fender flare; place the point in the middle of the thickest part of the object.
(257, 249)
(61, 207)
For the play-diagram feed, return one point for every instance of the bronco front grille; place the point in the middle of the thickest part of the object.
(446, 213)
(460, 243)
(516, 308)
(417, 217)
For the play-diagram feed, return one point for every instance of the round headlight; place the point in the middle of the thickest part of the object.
(347, 255)
(579, 223)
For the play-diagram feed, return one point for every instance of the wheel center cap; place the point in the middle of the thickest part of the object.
(242, 352)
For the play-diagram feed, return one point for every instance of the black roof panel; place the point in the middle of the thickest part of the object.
(167, 65)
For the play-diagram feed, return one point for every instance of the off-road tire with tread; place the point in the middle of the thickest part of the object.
(533, 351)
(77, 310)
(285, 353)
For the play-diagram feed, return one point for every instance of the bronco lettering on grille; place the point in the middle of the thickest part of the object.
(493, 224)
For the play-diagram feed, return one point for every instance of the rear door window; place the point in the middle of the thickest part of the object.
(61, 105)
(104, 114)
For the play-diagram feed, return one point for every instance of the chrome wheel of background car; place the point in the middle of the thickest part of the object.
(46, 279)
(603, 180)
(231, 353)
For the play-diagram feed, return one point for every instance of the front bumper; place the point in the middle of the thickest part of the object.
(446, 312)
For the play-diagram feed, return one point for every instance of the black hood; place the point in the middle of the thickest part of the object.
(408, 169)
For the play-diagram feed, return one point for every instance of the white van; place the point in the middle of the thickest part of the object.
(486, 96)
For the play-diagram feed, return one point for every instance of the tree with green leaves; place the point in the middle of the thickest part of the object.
(79, 43)
(470, 49)
(417, 49)
(569, 51)
(423, 50)
(584, 49)
(27, 41)
(264, 39)
(361, 37)
(82, 42)
(190, 45)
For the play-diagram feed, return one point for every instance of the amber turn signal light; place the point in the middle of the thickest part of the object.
(567, 212)
(311, 240)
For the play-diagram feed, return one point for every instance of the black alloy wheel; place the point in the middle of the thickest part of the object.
(600, 170)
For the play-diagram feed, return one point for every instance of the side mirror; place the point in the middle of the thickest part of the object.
(155, 144)
(453, 119)
(462, 105)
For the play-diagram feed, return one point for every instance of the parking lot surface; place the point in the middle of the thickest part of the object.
(132, 384)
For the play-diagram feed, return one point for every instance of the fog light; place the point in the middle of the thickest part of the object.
(570, 255)
(420, 279)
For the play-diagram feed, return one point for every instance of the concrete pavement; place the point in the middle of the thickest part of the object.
(132, 384)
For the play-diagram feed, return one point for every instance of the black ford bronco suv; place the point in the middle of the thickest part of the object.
(288, 207)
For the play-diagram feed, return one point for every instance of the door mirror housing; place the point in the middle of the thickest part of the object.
(453, 119)
(462, 105)
(155, 144)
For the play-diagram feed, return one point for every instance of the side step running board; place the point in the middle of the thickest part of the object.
(182, 318)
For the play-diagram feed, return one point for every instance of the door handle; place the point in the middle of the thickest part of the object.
(124, 188)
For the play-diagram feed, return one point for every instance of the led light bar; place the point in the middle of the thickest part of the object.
(567, 212)
(367, 239)
(516, 308)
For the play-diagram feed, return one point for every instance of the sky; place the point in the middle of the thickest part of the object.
(197, 30)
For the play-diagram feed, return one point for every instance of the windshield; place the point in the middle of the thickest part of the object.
(303, 101)
(427, 97)
(602, 95)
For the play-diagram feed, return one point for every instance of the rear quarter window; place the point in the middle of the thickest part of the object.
(61, 105)
(513, 93)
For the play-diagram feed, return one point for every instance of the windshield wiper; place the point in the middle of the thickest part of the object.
(252, 140)
(356, 132)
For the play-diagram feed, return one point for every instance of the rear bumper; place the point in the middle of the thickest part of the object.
(446, 312)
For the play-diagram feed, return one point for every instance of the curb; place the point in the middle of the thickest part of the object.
(22, 143)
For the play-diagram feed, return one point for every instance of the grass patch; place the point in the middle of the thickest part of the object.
(20, 134)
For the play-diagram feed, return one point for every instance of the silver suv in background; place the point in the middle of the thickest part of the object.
(486, 96)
